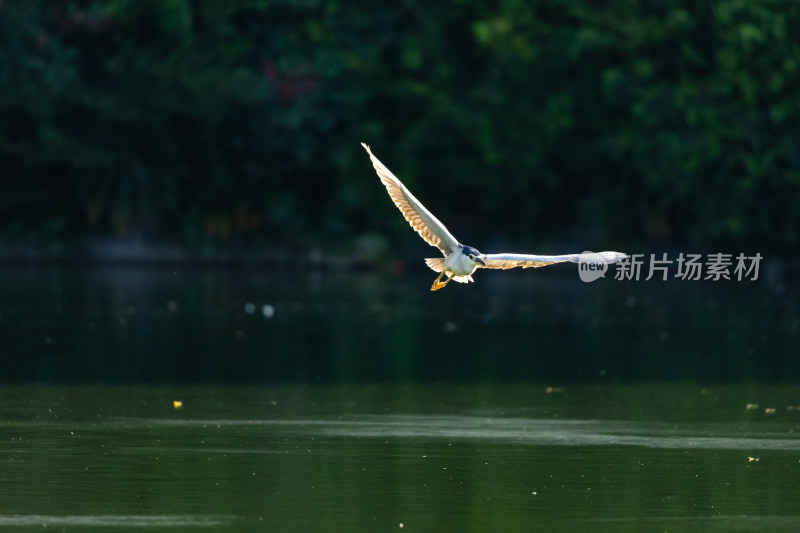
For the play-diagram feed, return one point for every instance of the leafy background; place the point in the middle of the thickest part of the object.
(222, 127)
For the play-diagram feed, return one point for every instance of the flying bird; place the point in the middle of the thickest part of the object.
(460, 261)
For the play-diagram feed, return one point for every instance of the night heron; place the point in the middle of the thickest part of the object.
(460, 261)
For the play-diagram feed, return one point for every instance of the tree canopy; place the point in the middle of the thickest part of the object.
(219, 124)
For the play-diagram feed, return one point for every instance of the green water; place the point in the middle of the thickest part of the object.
(369, 458)
(337, 402)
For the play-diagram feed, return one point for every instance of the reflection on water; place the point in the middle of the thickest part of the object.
(237, 325)
(166, 400)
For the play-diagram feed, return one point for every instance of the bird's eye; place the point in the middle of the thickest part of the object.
(472, 256)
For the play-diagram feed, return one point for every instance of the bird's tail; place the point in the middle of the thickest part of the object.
(435, 263)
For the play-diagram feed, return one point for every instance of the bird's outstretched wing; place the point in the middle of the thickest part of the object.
(422, 220)
(505, 261)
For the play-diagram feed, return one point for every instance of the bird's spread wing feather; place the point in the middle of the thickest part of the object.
(505, 261)
(422, 220)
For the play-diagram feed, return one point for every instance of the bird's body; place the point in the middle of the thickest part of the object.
(460, 261)
(459, 264)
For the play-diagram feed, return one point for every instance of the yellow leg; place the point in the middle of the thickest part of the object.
(437, 284)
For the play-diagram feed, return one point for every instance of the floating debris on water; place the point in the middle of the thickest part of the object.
(751, 406)
(752, 459)
(177, 404)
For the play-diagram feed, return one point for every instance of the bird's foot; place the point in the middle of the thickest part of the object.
(439, 284)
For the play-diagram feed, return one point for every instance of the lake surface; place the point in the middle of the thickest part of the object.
(176, 399)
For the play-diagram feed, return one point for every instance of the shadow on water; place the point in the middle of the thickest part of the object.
(238, 400)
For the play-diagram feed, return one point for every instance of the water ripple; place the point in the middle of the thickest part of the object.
(534, 432)
(140, 521)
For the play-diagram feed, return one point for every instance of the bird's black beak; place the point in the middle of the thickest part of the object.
(479, 260)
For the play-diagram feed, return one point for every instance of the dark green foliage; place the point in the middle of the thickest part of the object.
(226, 124)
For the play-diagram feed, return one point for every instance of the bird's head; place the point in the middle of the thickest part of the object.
(473, 255)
